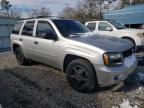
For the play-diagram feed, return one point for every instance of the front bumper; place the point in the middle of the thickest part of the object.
(108, 76)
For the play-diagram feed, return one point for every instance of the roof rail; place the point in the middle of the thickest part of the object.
(44, 17)
(49, 17)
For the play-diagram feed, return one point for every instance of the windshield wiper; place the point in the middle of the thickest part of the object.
(121, 28)
(74, 34)
(77, 34)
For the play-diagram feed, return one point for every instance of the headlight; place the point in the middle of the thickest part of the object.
(113, 59)
(141, 35)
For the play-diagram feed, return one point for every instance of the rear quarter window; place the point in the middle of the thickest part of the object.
(17, 27)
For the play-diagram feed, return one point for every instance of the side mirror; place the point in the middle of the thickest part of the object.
(50, 36)
(109, 29)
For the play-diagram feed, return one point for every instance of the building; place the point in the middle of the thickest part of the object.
(6, 25)
(131, 16)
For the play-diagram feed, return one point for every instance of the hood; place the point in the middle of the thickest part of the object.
(133, 30)
(109, 44)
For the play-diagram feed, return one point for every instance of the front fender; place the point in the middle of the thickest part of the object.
(93, 57)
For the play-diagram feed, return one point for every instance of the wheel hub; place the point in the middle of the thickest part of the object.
(79, 74)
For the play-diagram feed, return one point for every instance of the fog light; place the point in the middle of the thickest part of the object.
(116, 77)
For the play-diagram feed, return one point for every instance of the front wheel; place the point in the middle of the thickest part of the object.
(81, 75)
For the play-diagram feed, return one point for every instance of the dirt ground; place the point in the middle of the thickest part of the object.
(39, 86)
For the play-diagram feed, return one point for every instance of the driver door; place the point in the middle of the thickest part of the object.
(46, 48)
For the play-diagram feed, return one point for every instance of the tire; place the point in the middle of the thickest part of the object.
(81, 75)
(20, 57)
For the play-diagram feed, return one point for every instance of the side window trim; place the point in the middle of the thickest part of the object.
(35, 28)
(22, 27)
(95, 25)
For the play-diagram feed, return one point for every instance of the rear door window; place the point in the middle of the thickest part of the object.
(28, 28)
(91, 26)
(17, 27)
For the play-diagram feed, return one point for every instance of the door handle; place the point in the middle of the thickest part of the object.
(20, 39)
(35, 42)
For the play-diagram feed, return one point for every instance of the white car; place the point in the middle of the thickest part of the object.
(112, 28)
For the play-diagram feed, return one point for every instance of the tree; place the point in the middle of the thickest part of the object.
(5, 5)
(14, 14)
(92, 9)
(44, 12)
(68, 12)
(131, 2)
(33, 13)
(85, 10)
(39, 12)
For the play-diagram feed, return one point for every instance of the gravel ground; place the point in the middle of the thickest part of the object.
(39, 86)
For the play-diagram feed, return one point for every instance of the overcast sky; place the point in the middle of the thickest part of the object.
(55, 6)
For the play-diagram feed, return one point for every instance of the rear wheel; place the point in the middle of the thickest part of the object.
(81, 75)
(20, 56)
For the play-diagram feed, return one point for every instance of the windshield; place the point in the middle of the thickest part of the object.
(70, 27)
(117, 25)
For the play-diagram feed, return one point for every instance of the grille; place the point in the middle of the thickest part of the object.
(128, 52)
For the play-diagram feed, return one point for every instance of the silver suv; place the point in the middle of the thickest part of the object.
(88, 60)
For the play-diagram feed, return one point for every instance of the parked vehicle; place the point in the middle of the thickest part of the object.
(112, 28)
(88, 60)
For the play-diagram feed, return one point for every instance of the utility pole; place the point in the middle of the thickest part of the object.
(130, 2)
(100, 12)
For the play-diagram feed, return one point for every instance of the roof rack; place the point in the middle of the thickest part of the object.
(44, 17)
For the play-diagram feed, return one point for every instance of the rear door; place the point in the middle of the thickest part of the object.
(27, 38)
(46, 50)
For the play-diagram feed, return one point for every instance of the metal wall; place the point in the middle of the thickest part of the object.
(128, 15)
(6, 26)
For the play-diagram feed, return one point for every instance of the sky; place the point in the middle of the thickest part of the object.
(56, 6)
